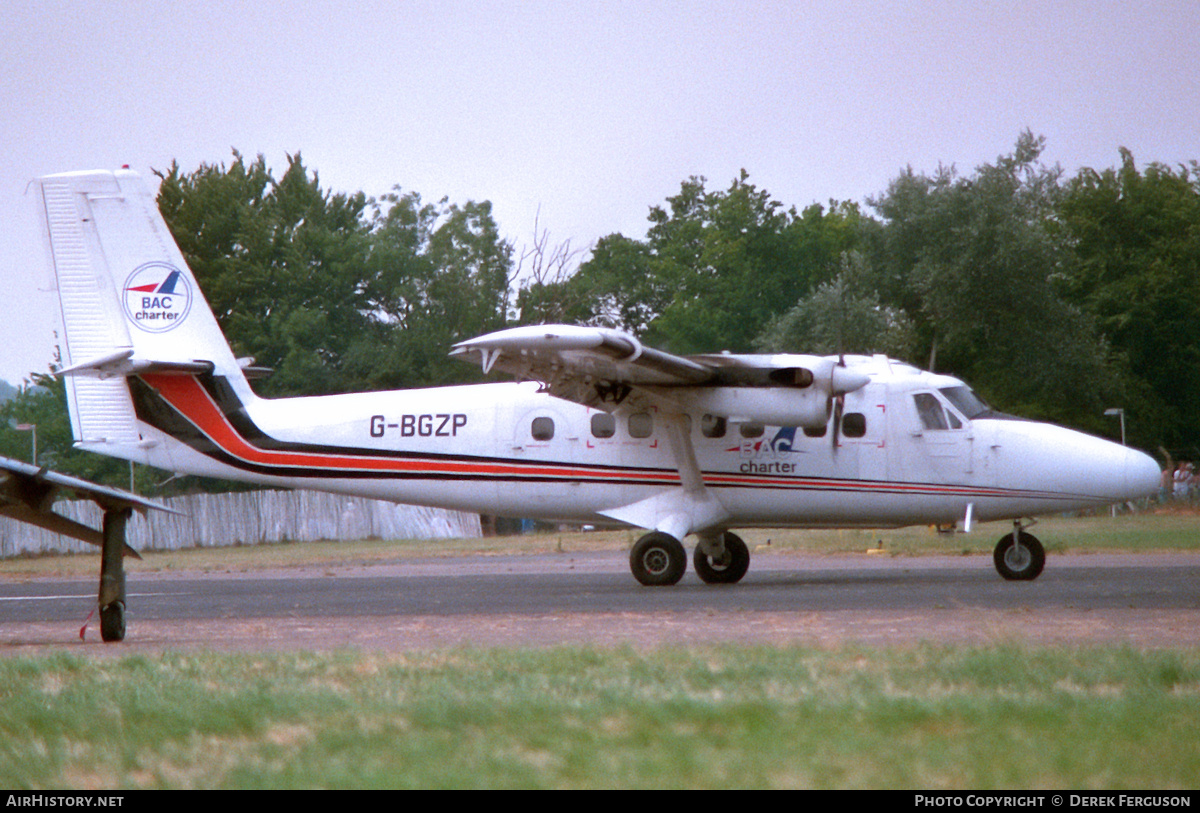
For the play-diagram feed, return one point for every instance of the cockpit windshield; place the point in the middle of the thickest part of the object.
(966, 402)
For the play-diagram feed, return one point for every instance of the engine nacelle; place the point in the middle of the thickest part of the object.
(773, 406)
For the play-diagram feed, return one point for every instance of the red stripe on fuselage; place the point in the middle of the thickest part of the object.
(188, 397)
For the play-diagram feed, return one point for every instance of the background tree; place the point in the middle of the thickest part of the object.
(280, 263)
(1136, 239)
(714, 269)
(842, 315)
(978, 262)
(435, 275)
(336, 292)
(1054, 298)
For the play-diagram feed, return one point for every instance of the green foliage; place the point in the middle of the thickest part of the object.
(435, 275)
(1136, 237)
(843, 315)
(714, 269)
(279, 262)
(977, 263)
(336, 292)
(1055, 298)
(1000, 716)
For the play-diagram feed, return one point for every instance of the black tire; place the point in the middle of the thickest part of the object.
(1024, 564)
(112, 622)
(730, 569)
(658, 559)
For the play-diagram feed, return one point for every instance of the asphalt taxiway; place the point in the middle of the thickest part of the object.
(538, 600)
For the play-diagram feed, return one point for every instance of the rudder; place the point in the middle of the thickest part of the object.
(128, 304)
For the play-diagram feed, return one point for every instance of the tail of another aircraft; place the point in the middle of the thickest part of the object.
(129, 305)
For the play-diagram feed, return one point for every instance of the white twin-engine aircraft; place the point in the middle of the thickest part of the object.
(599, 429)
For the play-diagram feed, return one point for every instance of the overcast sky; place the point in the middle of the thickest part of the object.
(588, 112)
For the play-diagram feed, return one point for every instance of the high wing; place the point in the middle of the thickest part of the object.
(588, 365)
(608, 369)
(601, 367)
(27, 494)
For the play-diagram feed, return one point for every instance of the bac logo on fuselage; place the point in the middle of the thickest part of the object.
(157, 297)
(769, 456)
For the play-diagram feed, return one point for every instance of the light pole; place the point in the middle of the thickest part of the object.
(1118, 412)
(1112, 413)
(29, 427)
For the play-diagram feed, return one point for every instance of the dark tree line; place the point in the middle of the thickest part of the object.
(1055, 297)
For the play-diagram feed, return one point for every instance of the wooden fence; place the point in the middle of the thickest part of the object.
(248, 518)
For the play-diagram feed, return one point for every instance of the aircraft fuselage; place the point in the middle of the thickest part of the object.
(511, 450)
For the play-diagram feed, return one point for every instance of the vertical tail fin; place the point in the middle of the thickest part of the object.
(128, 303)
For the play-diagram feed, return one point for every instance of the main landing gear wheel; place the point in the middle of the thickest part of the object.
(112, 622)
(658, 559)
(729, 567)
(1022, 561)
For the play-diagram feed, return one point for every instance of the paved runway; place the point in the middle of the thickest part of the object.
(1151, 600)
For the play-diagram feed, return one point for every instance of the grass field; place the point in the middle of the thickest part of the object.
(923, 716)
(755, 717)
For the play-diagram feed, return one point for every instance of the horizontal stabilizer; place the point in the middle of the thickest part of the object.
(122, 363)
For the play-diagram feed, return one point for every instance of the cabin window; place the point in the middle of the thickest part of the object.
(751, 430)
(854, 425)
(929, 408)
(713, 426)
(641, 425)
(604, 425)
(815, 431)
(542, 428)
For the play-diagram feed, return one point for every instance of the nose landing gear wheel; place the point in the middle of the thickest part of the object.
(728, 568)
(658, 559)
(1022, 561)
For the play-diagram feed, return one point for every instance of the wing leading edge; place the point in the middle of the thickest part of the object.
(588, 365)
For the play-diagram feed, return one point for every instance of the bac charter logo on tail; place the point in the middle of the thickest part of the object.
(157, 297)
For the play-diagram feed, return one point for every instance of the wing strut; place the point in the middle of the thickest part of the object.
(690, 508)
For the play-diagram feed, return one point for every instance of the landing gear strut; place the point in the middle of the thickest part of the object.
(1019, 556)
(112, 575)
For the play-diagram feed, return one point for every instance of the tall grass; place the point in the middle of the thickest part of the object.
(716, 717)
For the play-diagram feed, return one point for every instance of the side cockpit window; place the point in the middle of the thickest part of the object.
(929, 408)
(933, 414)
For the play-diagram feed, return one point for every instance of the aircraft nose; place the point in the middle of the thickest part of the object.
(1143, 477)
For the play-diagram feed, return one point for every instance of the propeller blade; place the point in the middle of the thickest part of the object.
(839, 404)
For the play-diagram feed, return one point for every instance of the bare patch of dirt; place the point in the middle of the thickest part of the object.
(1138, 628)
